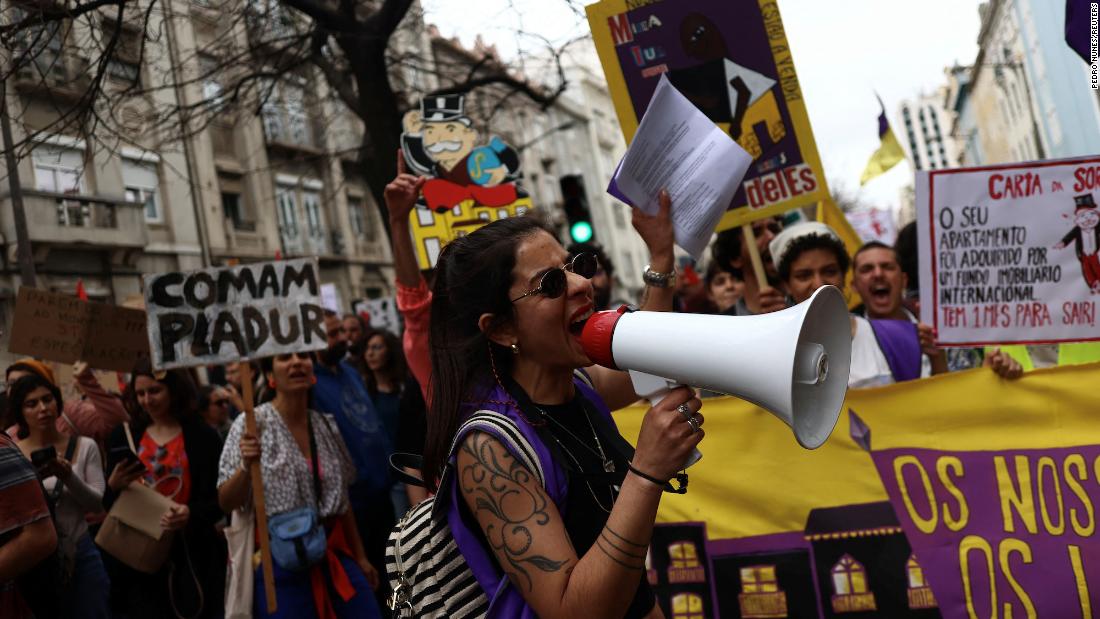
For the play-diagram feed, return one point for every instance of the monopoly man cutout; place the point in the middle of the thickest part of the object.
(1086, 240)
(440, 142)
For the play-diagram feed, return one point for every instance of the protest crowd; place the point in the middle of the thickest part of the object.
(328, 422)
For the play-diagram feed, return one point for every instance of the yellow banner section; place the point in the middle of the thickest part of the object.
(754, 479)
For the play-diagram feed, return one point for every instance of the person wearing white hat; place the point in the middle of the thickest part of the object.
(810, 255)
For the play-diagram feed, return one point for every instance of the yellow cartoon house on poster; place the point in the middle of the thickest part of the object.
(469, 185)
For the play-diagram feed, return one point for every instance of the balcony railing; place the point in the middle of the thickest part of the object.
(62, 219)
(54, 72)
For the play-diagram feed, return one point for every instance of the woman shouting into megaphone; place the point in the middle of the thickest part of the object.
(552, 510)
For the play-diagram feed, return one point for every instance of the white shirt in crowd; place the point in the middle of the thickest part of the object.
(288, 480)
(82, 495)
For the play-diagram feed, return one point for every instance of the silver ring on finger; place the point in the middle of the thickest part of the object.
(694, 423)
(684, 410)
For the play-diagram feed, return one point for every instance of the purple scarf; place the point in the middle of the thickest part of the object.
(504, 600)
(900, 344)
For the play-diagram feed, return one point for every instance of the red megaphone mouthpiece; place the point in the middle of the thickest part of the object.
(597, 334)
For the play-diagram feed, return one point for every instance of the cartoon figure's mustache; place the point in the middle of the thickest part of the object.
(446, 145)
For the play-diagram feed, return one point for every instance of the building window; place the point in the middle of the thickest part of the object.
(920, 593)
(682, 554)
(687, 606)
(124, 65)
(141, 181)
(683, 564)
(42, 44)
(284, 115)
(311, 200)
(271, 115)
(287, 207)
(231, 208)
(358, 213)
(850, 587)
(760, 594)
(58, 169)
(297, 119)
(208, 73)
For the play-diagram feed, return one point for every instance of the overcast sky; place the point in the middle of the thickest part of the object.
(844, 51)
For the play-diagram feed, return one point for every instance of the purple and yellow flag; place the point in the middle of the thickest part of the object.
(889, 152)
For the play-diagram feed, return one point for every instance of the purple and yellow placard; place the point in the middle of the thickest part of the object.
(731, 59)
(978, 497)
(1001, 528)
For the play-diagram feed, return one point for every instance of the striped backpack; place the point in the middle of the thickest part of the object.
(427, 573)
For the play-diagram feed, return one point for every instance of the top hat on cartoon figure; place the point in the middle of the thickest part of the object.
(448, 133)
(1084, 201)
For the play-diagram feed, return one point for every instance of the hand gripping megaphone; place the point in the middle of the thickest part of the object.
(794, 363)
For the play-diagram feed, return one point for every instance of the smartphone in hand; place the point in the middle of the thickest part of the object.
(42, 457)
(123, 455)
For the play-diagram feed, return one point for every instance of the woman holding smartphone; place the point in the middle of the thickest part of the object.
(176, 455)
(71, 473)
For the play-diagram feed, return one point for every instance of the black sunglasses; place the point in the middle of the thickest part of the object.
(553, 282)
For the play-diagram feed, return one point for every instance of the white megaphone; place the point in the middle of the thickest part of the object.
(794, 362)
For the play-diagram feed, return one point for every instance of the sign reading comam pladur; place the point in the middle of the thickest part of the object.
(730, 59)
(1009, 254)
(218, 315)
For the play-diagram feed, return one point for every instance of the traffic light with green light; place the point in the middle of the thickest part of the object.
(575, 205)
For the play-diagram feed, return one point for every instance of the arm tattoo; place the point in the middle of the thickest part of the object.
(501, 486)
(629, 554)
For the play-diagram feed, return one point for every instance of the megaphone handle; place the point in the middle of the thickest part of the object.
(655, 389)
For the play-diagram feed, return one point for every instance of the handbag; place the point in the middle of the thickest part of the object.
(297, 536)
(131, 532)
(239, 583)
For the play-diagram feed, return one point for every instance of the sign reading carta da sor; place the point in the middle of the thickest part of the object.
(1010, 254)
(219, 315)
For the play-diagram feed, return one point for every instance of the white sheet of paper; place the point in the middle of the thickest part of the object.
(679, 149)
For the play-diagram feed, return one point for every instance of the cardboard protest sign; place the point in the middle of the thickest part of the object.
(1009, 254)
(331, 299)
(61, 327)
(219, 315)
(383, 314)
(978, 497)
(732, 61)
(469, 184)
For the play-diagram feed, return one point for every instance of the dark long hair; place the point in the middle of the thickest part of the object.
(19, 392)
(182, 393)
(473, 276)
(395, 365)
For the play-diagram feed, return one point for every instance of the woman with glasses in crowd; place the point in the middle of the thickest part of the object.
(306, 469)
(214, 405)
(177, 455)
(385, 376)
(568, 539)
(72, 476)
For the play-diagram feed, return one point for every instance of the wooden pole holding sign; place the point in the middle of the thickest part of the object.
(256, 475)
(754, 256)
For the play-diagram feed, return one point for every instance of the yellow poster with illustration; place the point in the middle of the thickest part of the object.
(730, 59)
(468, 184)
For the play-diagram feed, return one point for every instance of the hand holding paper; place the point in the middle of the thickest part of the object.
(679, 149)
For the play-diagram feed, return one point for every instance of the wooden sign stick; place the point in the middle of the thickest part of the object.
(749, 238)
(258, 491)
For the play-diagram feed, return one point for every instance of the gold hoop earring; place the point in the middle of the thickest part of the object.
(515, 349)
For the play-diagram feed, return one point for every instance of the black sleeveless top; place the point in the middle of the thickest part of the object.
(588, 499)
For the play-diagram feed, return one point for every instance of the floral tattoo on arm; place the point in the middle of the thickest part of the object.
(500, 486)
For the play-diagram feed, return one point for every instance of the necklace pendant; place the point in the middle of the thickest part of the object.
(608, 466)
